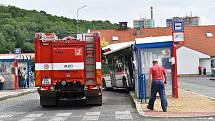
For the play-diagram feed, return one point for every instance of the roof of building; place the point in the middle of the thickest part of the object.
(12, 56)
(199, 38)
(153, 39)
(196, 38)
(130, 34)
(117, 46)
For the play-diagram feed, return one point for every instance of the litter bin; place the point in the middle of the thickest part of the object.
(1, 81)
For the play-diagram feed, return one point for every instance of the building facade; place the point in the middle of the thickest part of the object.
(189, 60)
(144, 23)
(199, 43)
(188, 20)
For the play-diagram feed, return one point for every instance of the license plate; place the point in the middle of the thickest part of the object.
(46, 81)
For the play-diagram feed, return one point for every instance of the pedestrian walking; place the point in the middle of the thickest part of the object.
(158, 76)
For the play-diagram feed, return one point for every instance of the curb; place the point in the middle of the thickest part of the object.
(213, 79)
(192, 75)
(18, 94)
(211, 98)
(137, 104)
(141, 112)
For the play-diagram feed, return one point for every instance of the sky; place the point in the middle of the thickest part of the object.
(122, 10)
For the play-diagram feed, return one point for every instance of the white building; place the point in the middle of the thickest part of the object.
(189, 60)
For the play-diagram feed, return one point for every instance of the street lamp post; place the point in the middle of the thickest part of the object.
(77, 17)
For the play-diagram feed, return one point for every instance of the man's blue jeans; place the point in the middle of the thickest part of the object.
(158, 86)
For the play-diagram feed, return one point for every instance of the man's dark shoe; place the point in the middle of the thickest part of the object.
(149, 107)
(165, 110)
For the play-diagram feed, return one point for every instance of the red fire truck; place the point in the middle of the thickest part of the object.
(68, 68)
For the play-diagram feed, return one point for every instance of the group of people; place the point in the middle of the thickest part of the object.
(202, 70)
(22, 78)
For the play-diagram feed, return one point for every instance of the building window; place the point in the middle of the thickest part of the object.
(115, 38)
(209, 35)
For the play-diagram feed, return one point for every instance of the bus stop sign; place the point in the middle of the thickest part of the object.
(17, 50)
(17, 53)
(178, 26)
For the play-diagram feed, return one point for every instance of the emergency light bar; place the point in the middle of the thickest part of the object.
(47, 37)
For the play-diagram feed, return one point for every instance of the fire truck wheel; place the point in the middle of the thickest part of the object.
(94, 100)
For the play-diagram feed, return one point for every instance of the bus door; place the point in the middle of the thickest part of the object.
(111, 67)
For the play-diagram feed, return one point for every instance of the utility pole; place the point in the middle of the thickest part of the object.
(77, 17)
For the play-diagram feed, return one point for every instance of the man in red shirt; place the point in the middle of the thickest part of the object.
(158, 76)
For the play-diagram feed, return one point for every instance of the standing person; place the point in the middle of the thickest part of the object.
(1, 81)
(204, 70)
(20, 77)
(32, 79)
(200, 70)
(158, 76)
(24, 78)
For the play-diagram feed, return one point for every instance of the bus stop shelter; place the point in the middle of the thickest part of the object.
(145, 51)
(9, 70)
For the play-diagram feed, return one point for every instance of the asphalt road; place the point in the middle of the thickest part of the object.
(117, 106)
(200, 85)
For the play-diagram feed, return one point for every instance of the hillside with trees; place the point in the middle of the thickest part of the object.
(18, 27)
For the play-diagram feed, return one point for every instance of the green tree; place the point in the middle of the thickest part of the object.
(2, 43)
(20, 39)
(18, 27)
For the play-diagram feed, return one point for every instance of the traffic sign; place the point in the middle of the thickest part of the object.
(178, 26)
(17, 53)
(17, 50)
(178, 37)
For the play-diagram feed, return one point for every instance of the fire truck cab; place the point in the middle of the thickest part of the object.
(68, 68)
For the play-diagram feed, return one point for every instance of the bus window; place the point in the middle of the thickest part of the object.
(119, 67)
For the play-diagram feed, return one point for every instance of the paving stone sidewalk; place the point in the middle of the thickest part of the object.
(188, 104)
(5, 94)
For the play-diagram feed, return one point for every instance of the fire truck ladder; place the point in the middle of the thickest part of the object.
(90, 60)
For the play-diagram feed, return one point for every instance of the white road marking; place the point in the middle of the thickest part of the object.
(34, 115)
(27, 119)
(203, 118)
(63, 114)
(210, 118)
(91, 116)
(5, 116)
(11, 113)
(123, 115)
(92, 113)
(58, 119)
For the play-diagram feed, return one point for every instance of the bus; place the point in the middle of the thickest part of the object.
(118, 66)
(213, 67)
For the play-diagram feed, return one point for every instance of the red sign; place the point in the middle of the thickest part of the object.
(78, 52)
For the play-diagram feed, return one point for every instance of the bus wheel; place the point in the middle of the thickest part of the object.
(125, 85)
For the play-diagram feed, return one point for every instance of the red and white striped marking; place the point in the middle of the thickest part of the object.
(63, 66)
(59, 66)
